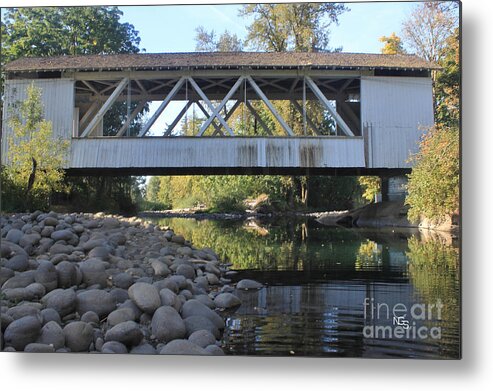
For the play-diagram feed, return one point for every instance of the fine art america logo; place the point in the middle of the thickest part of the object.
(401, 321)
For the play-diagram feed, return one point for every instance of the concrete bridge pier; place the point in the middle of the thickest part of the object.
(393, 188)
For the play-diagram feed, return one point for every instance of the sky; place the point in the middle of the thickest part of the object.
(170, 28)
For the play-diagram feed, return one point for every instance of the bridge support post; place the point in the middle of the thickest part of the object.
(393, 188)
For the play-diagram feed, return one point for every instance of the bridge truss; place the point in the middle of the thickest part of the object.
(216, 96)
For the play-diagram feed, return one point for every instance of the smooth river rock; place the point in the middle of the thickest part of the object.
(183, 346)
(145, 296)
(167, 324)
(61, 300)
(78, 336)
(248, 284)
(96, 300)
(128, 333)
(22, 332)
(194, 307)
(226, 300)
(52, 334)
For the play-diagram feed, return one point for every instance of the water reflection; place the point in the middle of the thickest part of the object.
(321, 284)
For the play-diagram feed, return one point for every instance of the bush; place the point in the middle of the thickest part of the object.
(433, 187)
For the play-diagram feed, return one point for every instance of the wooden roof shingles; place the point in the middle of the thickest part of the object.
(146, 61)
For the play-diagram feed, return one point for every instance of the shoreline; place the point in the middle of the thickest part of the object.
(346, 218)
(103, 283)
(189, 214)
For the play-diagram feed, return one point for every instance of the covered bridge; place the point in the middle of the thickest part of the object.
(375, 108)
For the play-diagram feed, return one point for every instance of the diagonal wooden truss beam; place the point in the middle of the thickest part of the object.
(308, 119)
(206, 113)
(269, 105)
(258, 118)
(102, 111)
(132, 116)
(323, 99)
(216, 110)
(175, 121)
(89, 113)
(162, 106)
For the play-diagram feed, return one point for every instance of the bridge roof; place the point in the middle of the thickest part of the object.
(218, 60)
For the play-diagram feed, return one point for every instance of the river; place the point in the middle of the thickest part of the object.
(335, 291)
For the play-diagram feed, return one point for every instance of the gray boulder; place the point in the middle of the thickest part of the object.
(195, 323)
(185, 347)
(94, 272)
(5, 274)
(67, 274)
(144, 348)
(22, 332)
(122, 280)
(46, 275)
(167, 324)
(202, 338)
(61, 300)
(121, 315)
(52, 334)
(226, 300)
(194, 307)
(14, 235)
(39, 348)
(248, 284)
(128, 333)
(186, 271)
(160, 268)
(145, 296)
(214, 350)
(78, 336)
(18, 263)
(96, 300)
(114, 347)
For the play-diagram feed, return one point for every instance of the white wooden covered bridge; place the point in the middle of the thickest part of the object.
(379, 106)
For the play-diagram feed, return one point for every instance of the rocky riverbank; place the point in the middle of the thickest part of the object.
(108, 284)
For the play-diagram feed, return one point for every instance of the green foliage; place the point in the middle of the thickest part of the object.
(371, 186)
(434, 272)
(95, 194)
(447, 85)
(35, 157)
(53, 31)
(433, 187)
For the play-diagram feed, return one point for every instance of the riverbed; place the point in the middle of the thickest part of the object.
(336, 292)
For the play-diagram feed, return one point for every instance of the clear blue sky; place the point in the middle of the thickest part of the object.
(172, 28)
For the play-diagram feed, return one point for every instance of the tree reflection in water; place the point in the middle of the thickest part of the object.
(317, 279)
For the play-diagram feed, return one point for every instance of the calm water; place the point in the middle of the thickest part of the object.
(334, 292)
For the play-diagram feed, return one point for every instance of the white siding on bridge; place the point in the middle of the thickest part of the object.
(58, 103)
(397, 111)
(155, 152)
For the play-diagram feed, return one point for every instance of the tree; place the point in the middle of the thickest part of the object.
(52, 31)
(371, 186)
(35, 157)
(206, 41)
(427, 29)
(55, 31)
(433, 187)
(447, 86)
(300, 27)
(393, 45)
